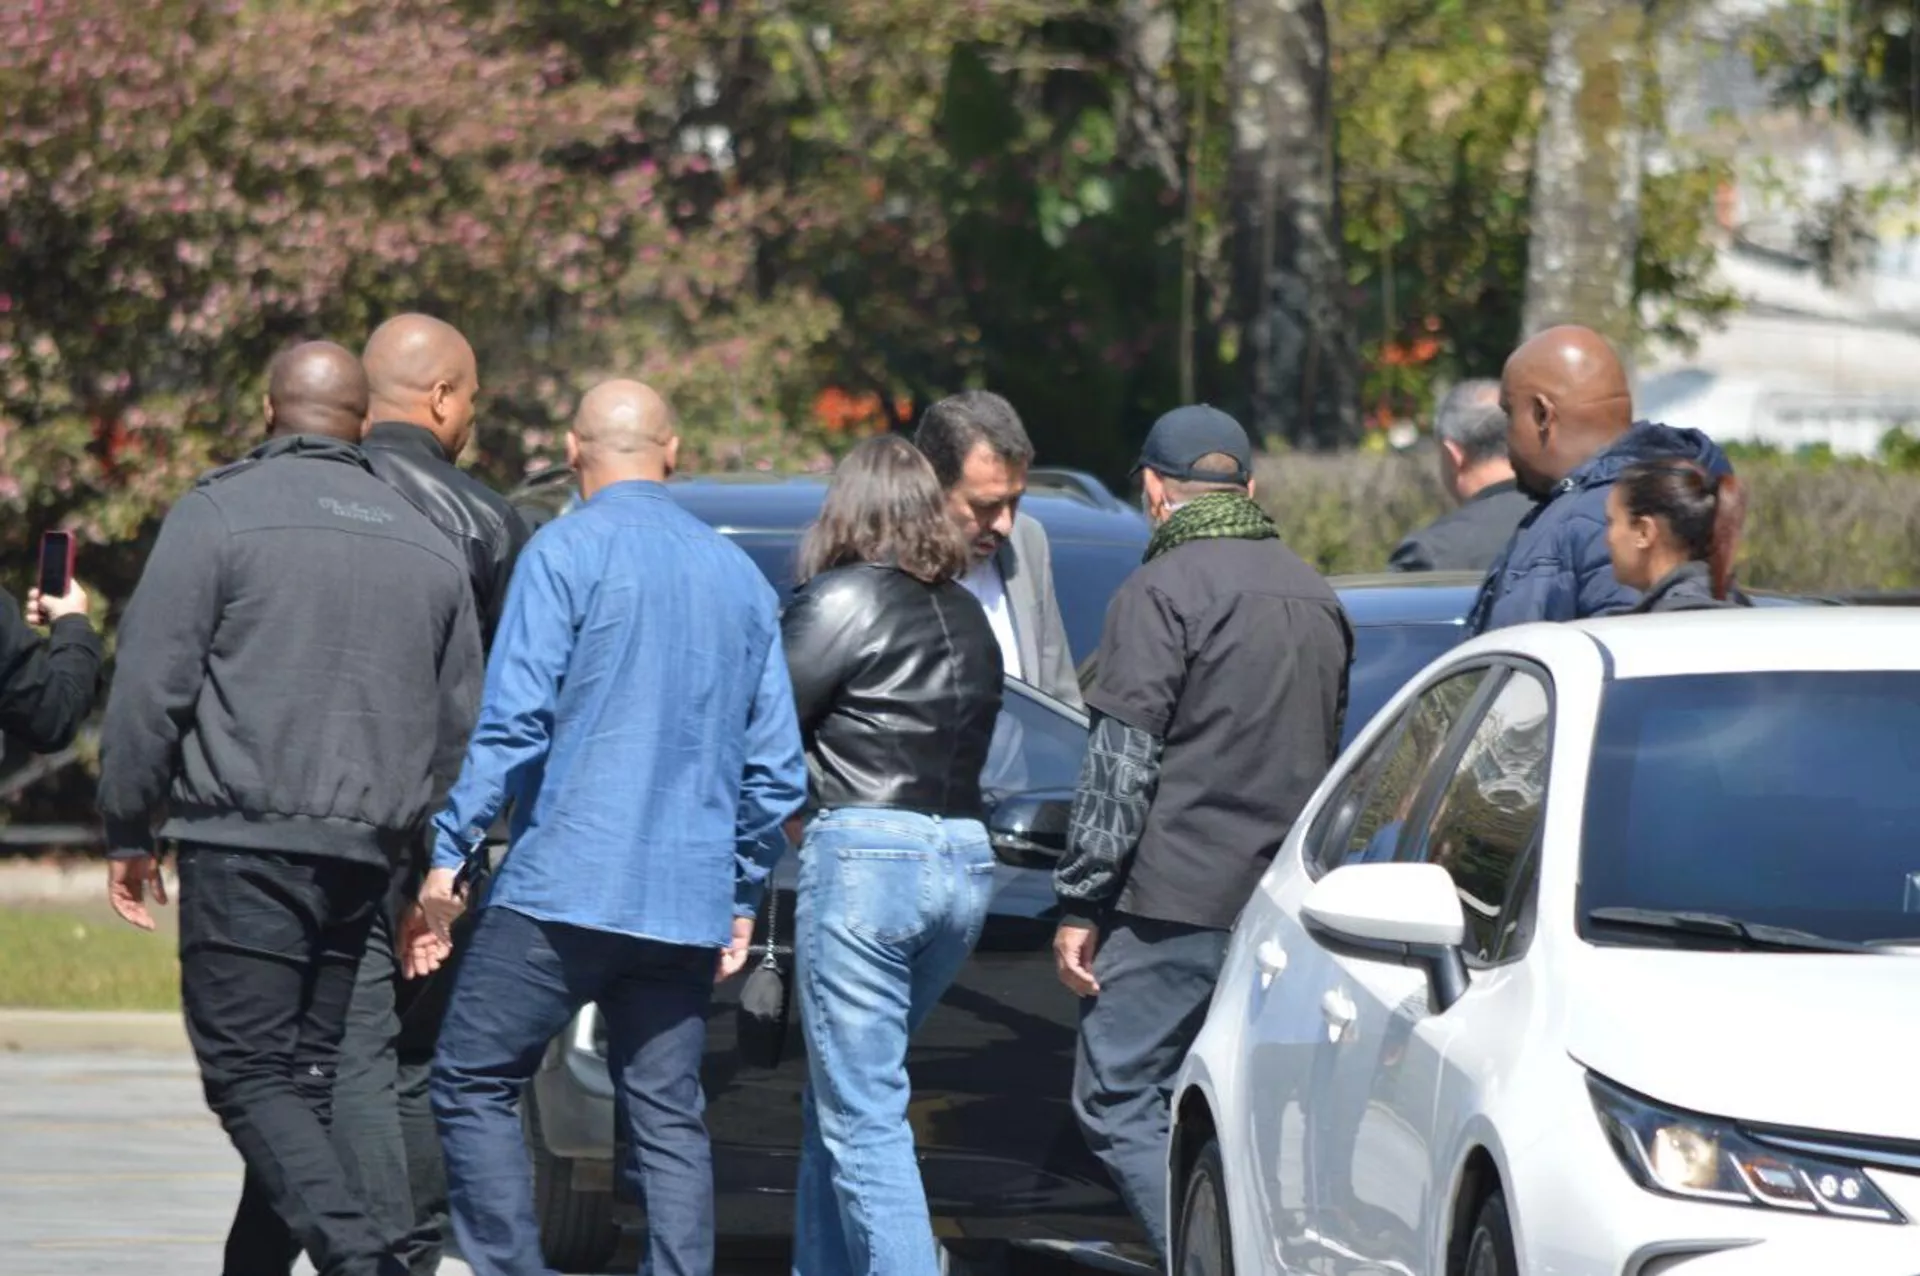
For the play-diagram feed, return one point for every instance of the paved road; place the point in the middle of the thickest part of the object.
(111, 1164)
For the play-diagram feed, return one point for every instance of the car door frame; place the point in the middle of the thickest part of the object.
(1282, 1022)
(1526, 869)
(1335, 1204)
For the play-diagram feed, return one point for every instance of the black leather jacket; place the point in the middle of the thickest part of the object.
(486, 530)
(897, 684)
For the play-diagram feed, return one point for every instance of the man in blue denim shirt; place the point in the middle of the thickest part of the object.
(637, 708)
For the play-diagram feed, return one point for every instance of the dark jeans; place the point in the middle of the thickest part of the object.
(521, 982)
(1156, 979)
(269, 948)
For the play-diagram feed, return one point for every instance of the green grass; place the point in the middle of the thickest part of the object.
(81, 958)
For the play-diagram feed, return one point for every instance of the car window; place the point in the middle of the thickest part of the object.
(1363, 823)
(1385, 659)
(1086, 575)
(1488, 815)
(1038, 744)
(1783, 799)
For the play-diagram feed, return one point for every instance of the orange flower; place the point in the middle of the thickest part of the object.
(840, 413)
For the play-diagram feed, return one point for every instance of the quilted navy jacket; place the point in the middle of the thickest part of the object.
(1556, 567)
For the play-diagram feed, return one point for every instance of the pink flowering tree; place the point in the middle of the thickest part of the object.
(187, 186)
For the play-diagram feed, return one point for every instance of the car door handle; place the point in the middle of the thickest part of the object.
(1272, 960)
(1338, 1010)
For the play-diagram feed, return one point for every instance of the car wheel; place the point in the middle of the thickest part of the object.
(1203, 1242)
(1490, 1248)
(577, 1231)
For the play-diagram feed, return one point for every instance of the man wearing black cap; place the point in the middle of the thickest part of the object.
(1217, 705)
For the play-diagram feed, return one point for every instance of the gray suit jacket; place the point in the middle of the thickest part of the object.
(1026, 565)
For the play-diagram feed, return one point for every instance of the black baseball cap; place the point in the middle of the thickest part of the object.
(1184, 435)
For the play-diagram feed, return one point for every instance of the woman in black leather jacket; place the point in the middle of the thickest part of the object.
(896, 677)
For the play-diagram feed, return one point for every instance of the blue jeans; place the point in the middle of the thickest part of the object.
(889, 908)
(519, 984)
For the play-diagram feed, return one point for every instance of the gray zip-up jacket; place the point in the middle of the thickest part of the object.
(298, 669)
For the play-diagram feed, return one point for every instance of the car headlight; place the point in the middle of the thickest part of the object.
(1707, 1159)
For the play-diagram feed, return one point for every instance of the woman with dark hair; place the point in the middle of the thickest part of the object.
(896, 677)
(1673, 531)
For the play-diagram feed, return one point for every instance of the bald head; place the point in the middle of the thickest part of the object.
(421, 371)
(317, 388)
(1566, 397)
(623, 430)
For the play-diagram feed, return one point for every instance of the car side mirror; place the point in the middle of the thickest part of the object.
(1408, 914)
(1029, 830)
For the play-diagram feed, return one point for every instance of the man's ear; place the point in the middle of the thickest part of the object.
(1456, 455)
(673, 454)
(1543, 415)
(1155, 487)
(266, 411)
(437, 399)
(573, 451)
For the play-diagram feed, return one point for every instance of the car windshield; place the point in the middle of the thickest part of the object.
(1385, 657)
(1773, 799)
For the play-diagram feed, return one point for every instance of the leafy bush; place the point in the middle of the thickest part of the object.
(1814, 525)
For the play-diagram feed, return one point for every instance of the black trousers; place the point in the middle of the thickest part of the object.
(383, 1127)
(422, 1004)
(269, 948)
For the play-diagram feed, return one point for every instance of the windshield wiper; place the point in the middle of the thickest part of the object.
(1722, 927)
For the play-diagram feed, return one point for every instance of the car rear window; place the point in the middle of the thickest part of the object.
(1086, 575)
(1385, 659)
(1785, 799)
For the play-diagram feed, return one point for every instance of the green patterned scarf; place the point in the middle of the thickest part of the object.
(1215, 516)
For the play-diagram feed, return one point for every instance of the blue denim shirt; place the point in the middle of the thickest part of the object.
(638, 711)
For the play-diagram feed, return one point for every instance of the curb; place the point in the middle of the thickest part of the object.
(44, 882)
(92, 1032)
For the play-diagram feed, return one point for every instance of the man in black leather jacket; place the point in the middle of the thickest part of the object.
(423, 380)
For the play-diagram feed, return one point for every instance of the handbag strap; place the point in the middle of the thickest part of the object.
(767, 959)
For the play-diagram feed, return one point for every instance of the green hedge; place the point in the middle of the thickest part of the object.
(1814, 524)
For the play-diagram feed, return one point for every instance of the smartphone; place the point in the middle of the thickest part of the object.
(56, 564)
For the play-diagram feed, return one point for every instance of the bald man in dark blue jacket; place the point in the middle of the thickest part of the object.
(1570, 433)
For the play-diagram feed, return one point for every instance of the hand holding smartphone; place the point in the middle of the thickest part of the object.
(56, 564)
(55, 595)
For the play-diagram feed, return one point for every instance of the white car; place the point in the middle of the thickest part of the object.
(1594, 956)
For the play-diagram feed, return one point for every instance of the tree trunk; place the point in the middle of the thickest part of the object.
(1149, 36)
(1289, 283)
(1586, 172)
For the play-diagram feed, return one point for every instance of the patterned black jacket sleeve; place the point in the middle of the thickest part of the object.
(1117, 783)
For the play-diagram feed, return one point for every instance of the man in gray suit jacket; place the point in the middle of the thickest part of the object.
(981, 453)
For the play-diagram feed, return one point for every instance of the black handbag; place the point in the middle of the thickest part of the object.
(765, 1020)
